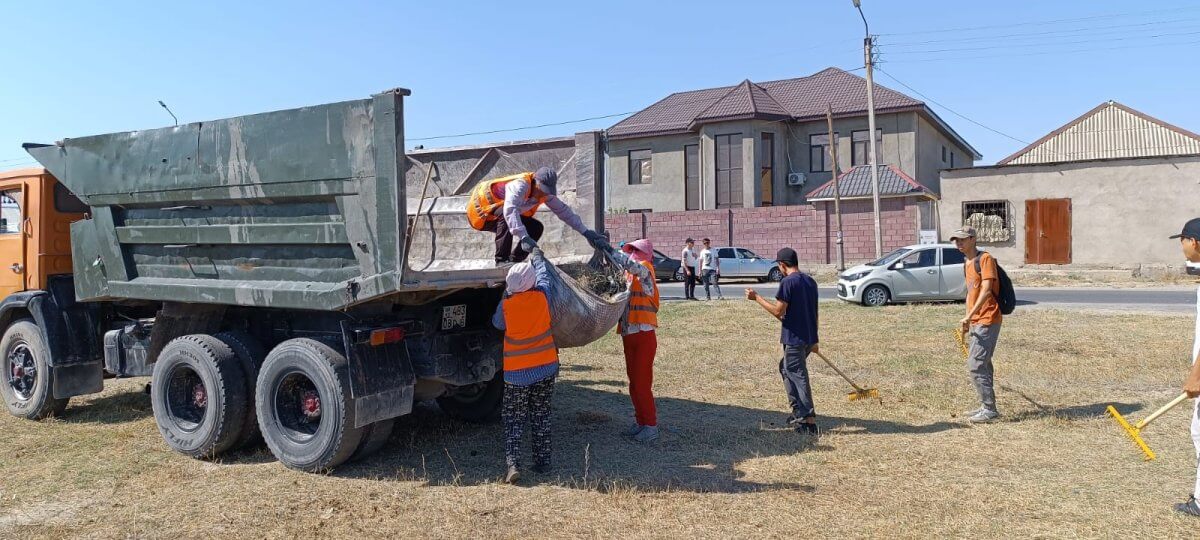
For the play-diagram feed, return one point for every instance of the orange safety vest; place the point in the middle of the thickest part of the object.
(528, 338)
(487, 199)
(643, 307)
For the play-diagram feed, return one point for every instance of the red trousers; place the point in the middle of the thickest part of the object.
(640, 349)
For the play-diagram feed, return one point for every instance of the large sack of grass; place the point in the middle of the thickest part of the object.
(586, 300)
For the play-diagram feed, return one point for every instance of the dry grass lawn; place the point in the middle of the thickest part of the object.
(1056, 467)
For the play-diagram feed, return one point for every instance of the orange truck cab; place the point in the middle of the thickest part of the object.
(37, 298)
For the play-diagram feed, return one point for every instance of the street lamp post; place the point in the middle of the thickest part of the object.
(869, 62)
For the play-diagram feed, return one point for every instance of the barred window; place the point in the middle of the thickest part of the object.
(989, 218)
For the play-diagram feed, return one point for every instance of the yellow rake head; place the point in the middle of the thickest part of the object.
(1133, 433)
(962, 344)
(866, 393)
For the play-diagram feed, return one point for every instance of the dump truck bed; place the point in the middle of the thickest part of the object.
(304, 209)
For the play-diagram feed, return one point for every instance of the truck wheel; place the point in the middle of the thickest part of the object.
(374, 437)
(477, 403)
(303, 404)
(199, 396)
(250, 354)
(27, 376)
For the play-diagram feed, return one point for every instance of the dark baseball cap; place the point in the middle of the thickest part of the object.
(787, 256)
(689, 241)
(1191, 229)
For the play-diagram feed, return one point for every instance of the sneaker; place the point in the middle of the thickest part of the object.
(1190, 507)
(541, 468)
(984, 416)
(792, 420)
(647, 434)
(632, 430)
(513, 475)
(969, 414)
(805, 428)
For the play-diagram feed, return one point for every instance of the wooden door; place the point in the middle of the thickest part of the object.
(1048, 231)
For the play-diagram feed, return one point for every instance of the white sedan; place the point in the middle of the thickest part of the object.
(921, 273)
(738, 263)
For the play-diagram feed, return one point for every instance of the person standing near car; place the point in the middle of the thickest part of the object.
(982, 323)
(796, 308)
(688, 260)
(710, 268)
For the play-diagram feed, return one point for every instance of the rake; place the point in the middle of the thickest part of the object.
(859, 392)
(1135, 431)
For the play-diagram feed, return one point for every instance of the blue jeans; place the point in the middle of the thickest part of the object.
(794, 369)
(710, 280)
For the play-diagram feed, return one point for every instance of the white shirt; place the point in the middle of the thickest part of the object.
(1196, 338)
(709, 261)
(517, 202)
(688, 256)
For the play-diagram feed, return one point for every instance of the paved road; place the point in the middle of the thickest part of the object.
(1173, 300)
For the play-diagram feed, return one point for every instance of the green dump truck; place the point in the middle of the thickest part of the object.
(290, 276)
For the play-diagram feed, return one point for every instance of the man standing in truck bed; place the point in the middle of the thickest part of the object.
(506, 206)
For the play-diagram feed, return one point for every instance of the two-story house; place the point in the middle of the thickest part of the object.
(764, 144)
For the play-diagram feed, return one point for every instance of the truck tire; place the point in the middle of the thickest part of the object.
(303, 404)
(478, 403)
(250, 354)
(374, 437)
(199, 396)
(27, 378)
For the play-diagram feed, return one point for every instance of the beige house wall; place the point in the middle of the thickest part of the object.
(930, 141)
(909, 142)
(1122, 211)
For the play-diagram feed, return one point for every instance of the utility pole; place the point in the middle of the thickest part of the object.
(837, 192)
(869, 63)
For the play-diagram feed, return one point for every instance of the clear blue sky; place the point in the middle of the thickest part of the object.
(82, 68)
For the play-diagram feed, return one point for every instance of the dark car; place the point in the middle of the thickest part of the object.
(666, 268)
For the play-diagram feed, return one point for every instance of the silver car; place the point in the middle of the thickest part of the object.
(739, 263)
(921, 273)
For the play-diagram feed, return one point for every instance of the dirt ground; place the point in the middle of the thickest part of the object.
(725, 467)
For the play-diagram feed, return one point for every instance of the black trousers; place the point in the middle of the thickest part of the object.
(793, 367)
(505, 250)
(689, 282)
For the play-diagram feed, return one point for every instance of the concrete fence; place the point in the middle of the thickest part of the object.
(810, 229)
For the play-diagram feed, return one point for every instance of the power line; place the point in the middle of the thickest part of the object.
(1038, 23)
(952, 111)
(1091, 30)
(1076, 42)
(506, 130)
(1042, 53)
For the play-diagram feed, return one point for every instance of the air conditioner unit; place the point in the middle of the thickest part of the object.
(796, 179)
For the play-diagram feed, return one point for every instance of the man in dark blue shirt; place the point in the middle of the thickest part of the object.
(796, 309)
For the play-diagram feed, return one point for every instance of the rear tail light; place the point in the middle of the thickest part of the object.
(383, 336)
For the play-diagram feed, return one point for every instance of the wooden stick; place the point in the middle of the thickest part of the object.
(1154, 415)
(839, 372)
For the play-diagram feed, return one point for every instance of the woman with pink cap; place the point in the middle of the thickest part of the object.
(638, 334)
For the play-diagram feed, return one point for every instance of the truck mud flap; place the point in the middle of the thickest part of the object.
(67, 327)
(381, 377)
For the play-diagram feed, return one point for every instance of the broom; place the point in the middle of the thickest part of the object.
(859, 392)
(1135, 431)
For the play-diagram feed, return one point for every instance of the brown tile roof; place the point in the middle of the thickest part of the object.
(801, 99)
(856, 183)
(744, 101)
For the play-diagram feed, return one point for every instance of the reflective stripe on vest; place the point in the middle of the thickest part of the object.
(528, 337)
(484, 205)
(643, 306)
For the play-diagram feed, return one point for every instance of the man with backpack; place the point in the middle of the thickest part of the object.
(982, 323)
